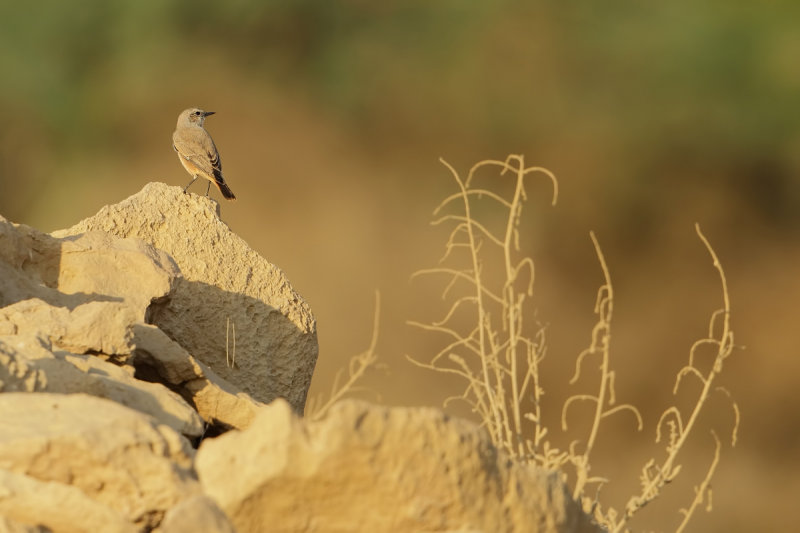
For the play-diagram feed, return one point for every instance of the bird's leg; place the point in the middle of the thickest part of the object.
(208, 189)
(190, 184)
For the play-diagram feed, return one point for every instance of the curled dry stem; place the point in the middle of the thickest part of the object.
(655, 477)
(605, 398)
(496, 358)
(499, 362)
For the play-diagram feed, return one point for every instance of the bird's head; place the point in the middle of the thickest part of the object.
(193, 117)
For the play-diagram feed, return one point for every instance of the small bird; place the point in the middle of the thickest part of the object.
(197, 152)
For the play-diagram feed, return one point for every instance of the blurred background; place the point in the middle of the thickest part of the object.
(331, 117)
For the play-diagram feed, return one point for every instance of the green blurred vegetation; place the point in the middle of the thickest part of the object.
(692, 89)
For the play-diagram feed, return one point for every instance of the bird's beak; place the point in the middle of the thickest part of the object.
(206, 113)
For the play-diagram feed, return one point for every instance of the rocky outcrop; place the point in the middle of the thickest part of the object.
(115, 457)
(195, 297)
(31, 364)
(227, 295)
(196, 514)
(117, 359)
(369, 468)
(31, 505)
(92, 267)
(81, 357)
(216, 400)
(91, 327)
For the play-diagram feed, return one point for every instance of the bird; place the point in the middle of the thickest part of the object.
(197, 152)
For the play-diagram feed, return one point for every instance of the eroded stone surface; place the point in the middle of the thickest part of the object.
(31, 364)
(116, 456)
(35, 505)
(243, 295)
(74, 312)
(77, 269)
(99, 326)
(216, 400)
(369, 468)
(195, 515)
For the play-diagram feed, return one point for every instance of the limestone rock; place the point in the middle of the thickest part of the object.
(97, 263)
(54, 508)
(89, 327)
(368, 468)
(79, 269)
(28, 263)
(228, 294)
(117, 457)
(89, 294)
(29, 364)
(196, 514)
(216, 400)
(16, 374)
(168, 358)
(9, 526)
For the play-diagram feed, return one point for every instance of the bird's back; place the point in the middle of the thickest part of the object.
(195, 144)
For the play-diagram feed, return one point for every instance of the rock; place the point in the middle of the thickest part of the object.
(54, 508)
(79, 269)
(81, 292)
(368, 468)
(219, 402)
(8, 526)
(28, 264)
(196, 514)
(117, 457)
(96, 263)
(95, 401)
(229, 295)
(16, 374)
(169, 360)
(89, 327)
(216, 400)
(89, 294)
(37, 368)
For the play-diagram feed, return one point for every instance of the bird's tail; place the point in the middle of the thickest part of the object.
(225, 190)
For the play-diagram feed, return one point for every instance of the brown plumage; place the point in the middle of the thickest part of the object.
(197, 152)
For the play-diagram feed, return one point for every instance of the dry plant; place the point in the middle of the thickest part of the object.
(230, 356)
(500, 362)
(605, 398)
(654, 475)
(357, 367)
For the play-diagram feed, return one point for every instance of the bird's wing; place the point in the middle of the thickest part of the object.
(195, 145)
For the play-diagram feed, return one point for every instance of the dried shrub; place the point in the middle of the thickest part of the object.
(488, 285)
